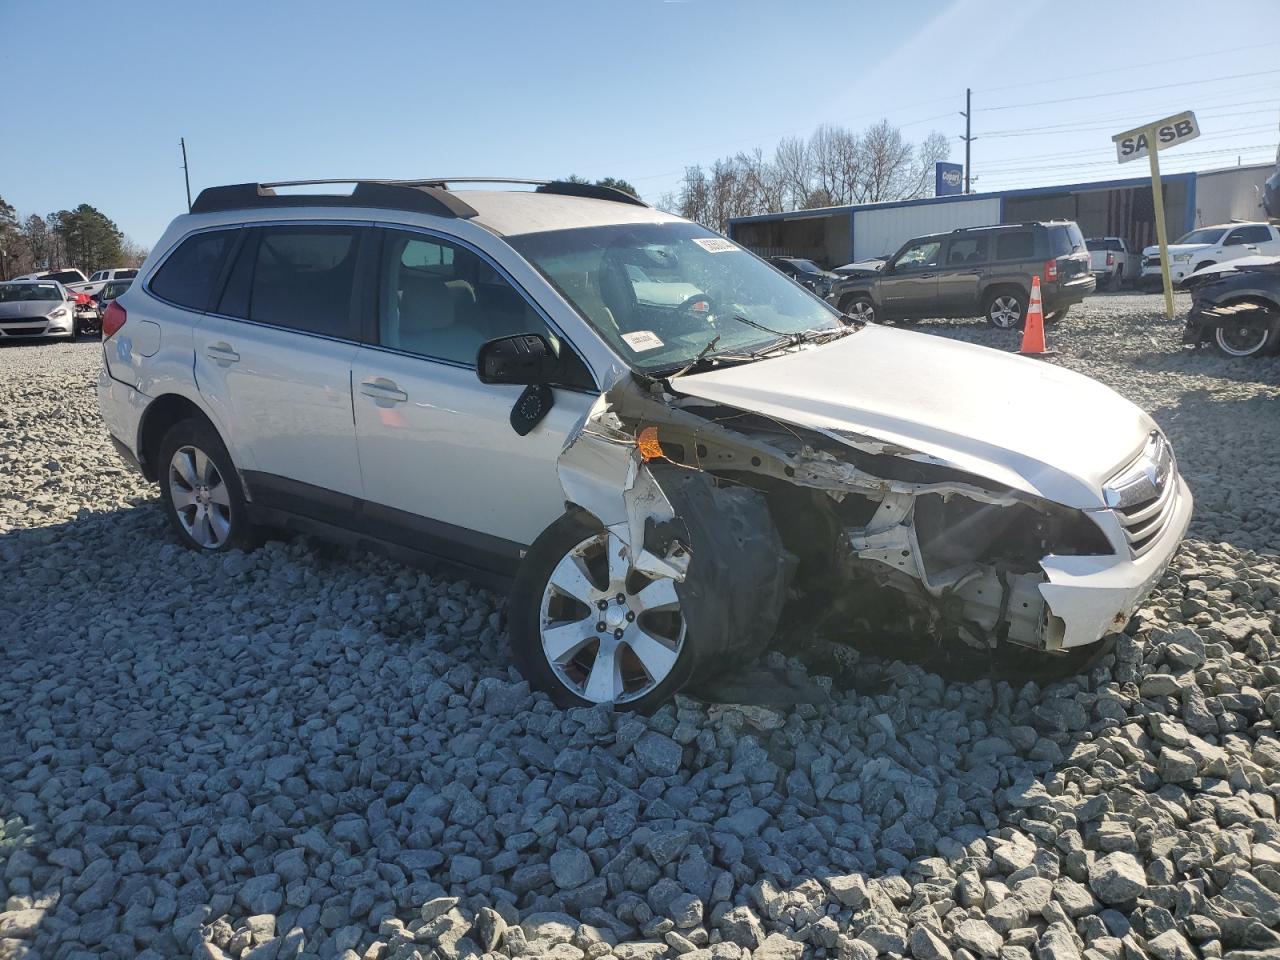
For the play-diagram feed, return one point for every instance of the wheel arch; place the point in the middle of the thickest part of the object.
(997, 287)
(161, 414)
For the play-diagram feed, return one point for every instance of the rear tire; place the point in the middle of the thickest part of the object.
(201, 490)
(1006, 309)
(555, 616)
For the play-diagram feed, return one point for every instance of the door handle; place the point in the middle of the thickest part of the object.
(221, 352)
(928, 276)
(380, 388)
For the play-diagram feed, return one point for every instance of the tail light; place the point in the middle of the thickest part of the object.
(113, 319)
(1111, 259)
(1051, 270)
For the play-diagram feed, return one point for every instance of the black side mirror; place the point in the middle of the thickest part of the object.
(525, 359)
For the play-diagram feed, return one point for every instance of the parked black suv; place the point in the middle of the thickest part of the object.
(807, 273)
(976, 272)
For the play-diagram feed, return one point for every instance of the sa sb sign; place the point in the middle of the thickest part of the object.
(1170, 132)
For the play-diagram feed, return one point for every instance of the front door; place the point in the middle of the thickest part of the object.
(437, 450)
(910, 289)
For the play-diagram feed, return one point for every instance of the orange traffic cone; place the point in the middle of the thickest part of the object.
(1033, 344)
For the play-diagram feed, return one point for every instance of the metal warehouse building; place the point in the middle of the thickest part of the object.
(1115, 208)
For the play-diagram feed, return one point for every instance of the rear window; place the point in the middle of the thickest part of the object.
(1065, 239)
(187, 276)
(126, 274)
(1099, 244)
(1015, 246)
(65, 276)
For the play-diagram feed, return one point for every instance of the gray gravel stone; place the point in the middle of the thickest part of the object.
(353, 728)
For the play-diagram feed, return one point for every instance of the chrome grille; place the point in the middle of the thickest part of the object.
(1144, 494)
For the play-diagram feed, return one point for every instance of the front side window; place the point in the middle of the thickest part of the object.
(659, 293)
(97, 276)
(967, 250)
(440, 300)
(188, 274)
(1209, 236)
(301, 277)
(921, 254)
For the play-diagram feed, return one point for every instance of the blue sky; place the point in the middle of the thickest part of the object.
(626, 88)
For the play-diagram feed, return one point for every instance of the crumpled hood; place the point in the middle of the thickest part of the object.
(28, 309)
(1022, 423)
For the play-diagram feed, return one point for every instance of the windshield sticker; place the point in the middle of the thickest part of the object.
(715, 245)
(642, 340)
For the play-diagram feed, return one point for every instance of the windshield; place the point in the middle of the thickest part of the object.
(10, 292)
(1201, 236)
(659, 292)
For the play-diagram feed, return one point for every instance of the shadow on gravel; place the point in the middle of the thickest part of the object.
(335, 741)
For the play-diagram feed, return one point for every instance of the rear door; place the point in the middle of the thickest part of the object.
(965, 260)
(273, 358)
(910, 289)
(442, 464)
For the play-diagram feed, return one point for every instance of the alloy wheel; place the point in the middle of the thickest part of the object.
(1240, 339)
(863, 310)
(200, 497)
(610, 634)
(1005, 312)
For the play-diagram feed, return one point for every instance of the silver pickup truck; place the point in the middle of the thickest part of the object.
(1111, 262)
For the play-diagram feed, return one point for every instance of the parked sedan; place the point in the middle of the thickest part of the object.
(36, 308)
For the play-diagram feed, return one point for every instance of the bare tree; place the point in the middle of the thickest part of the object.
(794, 167)
(834, 166)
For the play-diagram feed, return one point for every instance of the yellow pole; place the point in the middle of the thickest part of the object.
(1162, 237)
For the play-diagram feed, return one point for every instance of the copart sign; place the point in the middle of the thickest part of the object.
(1169, 132)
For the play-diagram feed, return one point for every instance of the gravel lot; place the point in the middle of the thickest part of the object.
(308, 752)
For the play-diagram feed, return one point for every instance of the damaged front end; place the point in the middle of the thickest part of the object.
(770, 528)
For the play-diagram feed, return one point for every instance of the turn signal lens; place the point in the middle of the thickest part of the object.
(647, 442)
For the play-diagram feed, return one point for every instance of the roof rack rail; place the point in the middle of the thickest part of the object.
(427, 195)
(398, 195)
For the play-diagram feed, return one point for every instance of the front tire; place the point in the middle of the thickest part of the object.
(860, 308)
(585, 629)
(1244, 339)
(1006, 309)
(201, 490)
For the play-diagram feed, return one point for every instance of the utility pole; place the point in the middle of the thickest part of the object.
(185, 176)
(968, 137)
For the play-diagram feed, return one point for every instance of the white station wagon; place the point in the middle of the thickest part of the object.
(670, 450)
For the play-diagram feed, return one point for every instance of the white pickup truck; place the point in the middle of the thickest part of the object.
(1111, 262)
(1207, 246)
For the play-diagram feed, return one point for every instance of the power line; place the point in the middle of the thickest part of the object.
(1034, 176)
(1130, 66)
(1115, 93)
(1107, 147)
(1102, 122)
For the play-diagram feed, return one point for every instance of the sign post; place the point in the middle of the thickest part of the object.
(1148, 140)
